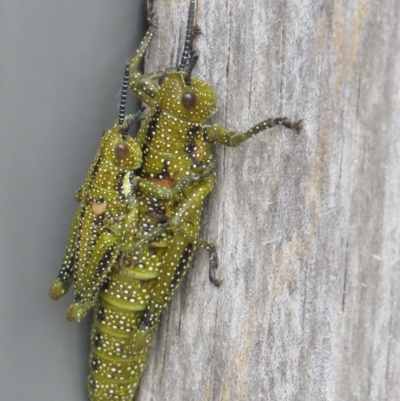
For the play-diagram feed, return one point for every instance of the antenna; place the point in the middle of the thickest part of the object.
(189, 69)
(129, 120)
(189, 34)
(122, 105)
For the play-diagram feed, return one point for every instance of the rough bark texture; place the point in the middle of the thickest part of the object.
(308, 226)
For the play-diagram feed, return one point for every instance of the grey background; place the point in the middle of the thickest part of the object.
(61, 68)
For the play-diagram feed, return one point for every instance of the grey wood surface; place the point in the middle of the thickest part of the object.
(61, 68)
(308, 226)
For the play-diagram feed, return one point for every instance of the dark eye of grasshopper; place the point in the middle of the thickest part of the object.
(163, 78)
(121, 151)
(189, 99)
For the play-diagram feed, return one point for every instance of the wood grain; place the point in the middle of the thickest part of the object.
(307, 226)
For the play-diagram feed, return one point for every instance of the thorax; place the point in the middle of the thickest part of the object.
(172, 148)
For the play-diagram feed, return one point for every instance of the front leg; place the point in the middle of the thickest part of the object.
(144, 87)
(184, 225)
(161, 192)
(216, 133)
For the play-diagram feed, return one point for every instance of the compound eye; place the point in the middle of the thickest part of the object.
(121, 151)
(189, 99)
(163, 78)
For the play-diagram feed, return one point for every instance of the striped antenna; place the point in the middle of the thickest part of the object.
(192, 62)
(124, 94)
(189, 34)
(129, 120)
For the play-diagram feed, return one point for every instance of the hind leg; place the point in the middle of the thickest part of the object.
(65, 277)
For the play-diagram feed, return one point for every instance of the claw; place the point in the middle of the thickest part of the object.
(298, 125)
(77, 311)
(197, 31)
(57, 290)
(211, 167)
(213, 268)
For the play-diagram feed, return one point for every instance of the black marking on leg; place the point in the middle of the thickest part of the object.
(147, 320)
(193, 132)
(105, 260)
(189, 148)
(192, 151)
(197, 163)
(183, 263)
(66, 270)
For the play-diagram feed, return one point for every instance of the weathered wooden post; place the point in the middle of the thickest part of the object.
(307, 226)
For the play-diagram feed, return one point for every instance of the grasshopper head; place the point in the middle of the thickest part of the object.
(122, 152)
(194, 102)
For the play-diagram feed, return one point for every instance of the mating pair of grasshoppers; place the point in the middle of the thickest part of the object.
(137, 227)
